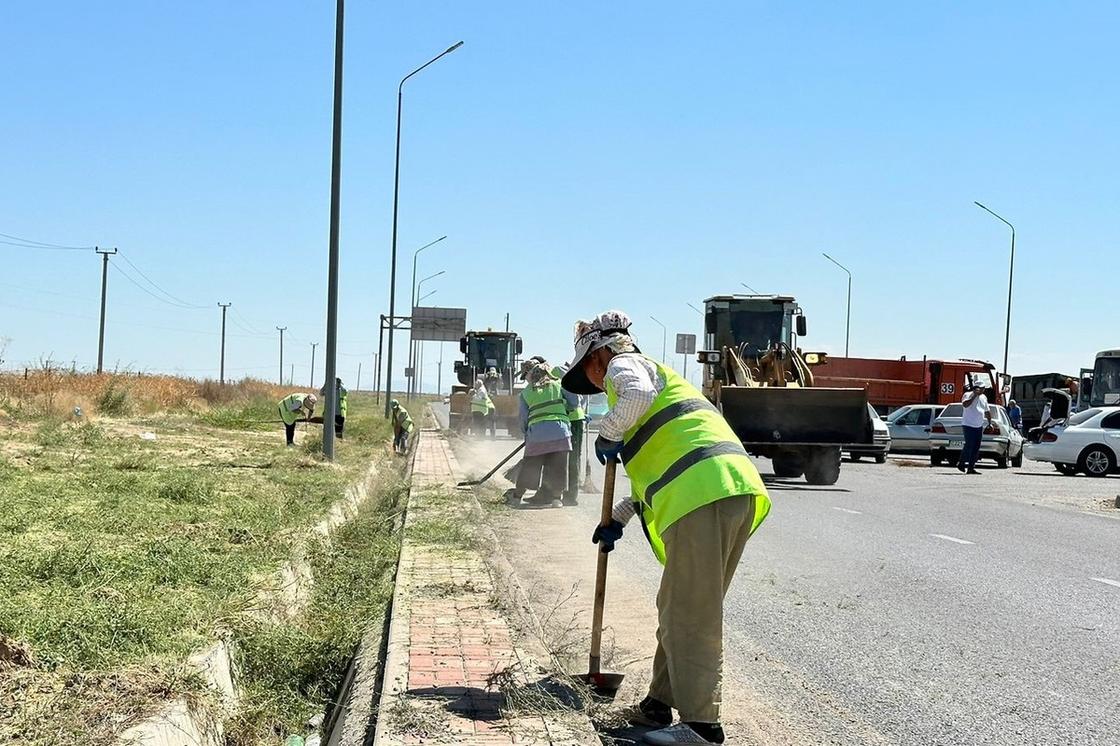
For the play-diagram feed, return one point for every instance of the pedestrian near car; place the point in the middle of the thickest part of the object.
(1015, 414)
(977, 416)
(543, 414)
(293, 408)
(699, 499)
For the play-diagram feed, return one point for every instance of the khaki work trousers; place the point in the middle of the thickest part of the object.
(702, 551)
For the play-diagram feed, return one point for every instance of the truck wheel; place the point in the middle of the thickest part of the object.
(823, 466)
(881, 458)
(788, 466)
(1096, 461)
(855, 457)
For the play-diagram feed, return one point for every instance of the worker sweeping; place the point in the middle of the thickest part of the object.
(482, 407)
(577, 415)
(698, 497)
(293, 408)
(340, 399)
(402, 426)
(543, 412)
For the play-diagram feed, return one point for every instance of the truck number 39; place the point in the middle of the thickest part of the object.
(948, 388)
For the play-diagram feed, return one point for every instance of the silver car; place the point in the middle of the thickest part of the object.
(880, 441)
(1000, 443)
(910, 427)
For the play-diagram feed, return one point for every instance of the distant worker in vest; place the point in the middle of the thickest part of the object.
(543, 412)
(577, 416)
(340, 404)
(293, 408)
(402, 426)
(482, 408)
(699, 499)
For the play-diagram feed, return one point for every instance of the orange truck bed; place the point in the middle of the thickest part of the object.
(893, 383)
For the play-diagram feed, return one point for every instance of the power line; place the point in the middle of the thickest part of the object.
(28, 243)
(180, 301)
(117, 268)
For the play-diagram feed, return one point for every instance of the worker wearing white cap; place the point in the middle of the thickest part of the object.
(699, 499)
(291, 407)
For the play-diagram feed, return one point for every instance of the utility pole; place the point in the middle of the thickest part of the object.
(358, 380)
(292, 375)
(439, 371)
(313, 346)
(330, 393)
(222, 364)
(507, 321)
(281, 330)
(105, 254)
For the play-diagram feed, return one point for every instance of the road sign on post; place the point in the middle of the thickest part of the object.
(438, 324)
(686, 345)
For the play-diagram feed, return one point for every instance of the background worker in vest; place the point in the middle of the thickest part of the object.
(543, 412)
(293, 408)
(699, 498)
(482, 408)
(340, 398)
(577, 416)
(402, 426)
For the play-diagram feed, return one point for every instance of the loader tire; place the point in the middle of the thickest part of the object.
(823, 466)
(787, 466)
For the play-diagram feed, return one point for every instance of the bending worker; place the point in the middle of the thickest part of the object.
(402, 426)
(482, 408)
(340, 404)
(699, 499)
(292, 409)
(543, 412)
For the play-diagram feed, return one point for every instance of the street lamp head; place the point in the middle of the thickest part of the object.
(453, 47)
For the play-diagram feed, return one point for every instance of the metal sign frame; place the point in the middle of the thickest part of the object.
(686, 344)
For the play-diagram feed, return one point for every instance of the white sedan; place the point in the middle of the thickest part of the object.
(1088, 442)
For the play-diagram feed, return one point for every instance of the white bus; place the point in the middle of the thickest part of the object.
(1102, 389)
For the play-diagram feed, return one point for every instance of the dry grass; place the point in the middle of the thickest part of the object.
(51, 392)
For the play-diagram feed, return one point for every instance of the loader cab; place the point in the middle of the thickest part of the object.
(483, 351)
(749, 324)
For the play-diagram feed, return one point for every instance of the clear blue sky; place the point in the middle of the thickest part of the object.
(579, 156)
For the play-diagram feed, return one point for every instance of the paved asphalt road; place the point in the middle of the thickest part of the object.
(914, 605)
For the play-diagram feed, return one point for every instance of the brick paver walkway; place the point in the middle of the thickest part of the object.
(452, 663)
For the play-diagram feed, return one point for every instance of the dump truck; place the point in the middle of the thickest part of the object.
(764, 385)
(494, 357)
(891, 384)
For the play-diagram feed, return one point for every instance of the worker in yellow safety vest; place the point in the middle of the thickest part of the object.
(543, 414)
(698, 497)
(293, 408)
(577, 417)
(402, 426)
(482, 408)
(340, 402)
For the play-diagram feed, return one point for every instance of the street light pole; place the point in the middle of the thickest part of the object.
(748, 287)
(1010, 280)
(313, 346)
(412, 298)
(414, 344)
(281, 330)
(848, 323)
(664, 334)
(396, 196)
(222, 363)
(330, 403)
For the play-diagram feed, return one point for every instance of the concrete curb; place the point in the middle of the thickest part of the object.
(183, 723)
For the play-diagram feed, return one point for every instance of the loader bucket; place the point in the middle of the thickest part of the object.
(807, 416)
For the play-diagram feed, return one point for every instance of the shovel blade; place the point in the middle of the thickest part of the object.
(602, 684)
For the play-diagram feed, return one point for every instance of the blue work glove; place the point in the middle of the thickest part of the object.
(607, 449)
(606, 536)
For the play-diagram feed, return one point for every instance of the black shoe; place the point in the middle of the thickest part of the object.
(542, 498)
(650, 712)
(972, 471)
(571, 501)
(711, 732)
(960, 468)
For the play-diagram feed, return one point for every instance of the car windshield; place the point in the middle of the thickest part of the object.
(490, 352)
(953, 410)
(897, 413)
(1085, 416)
